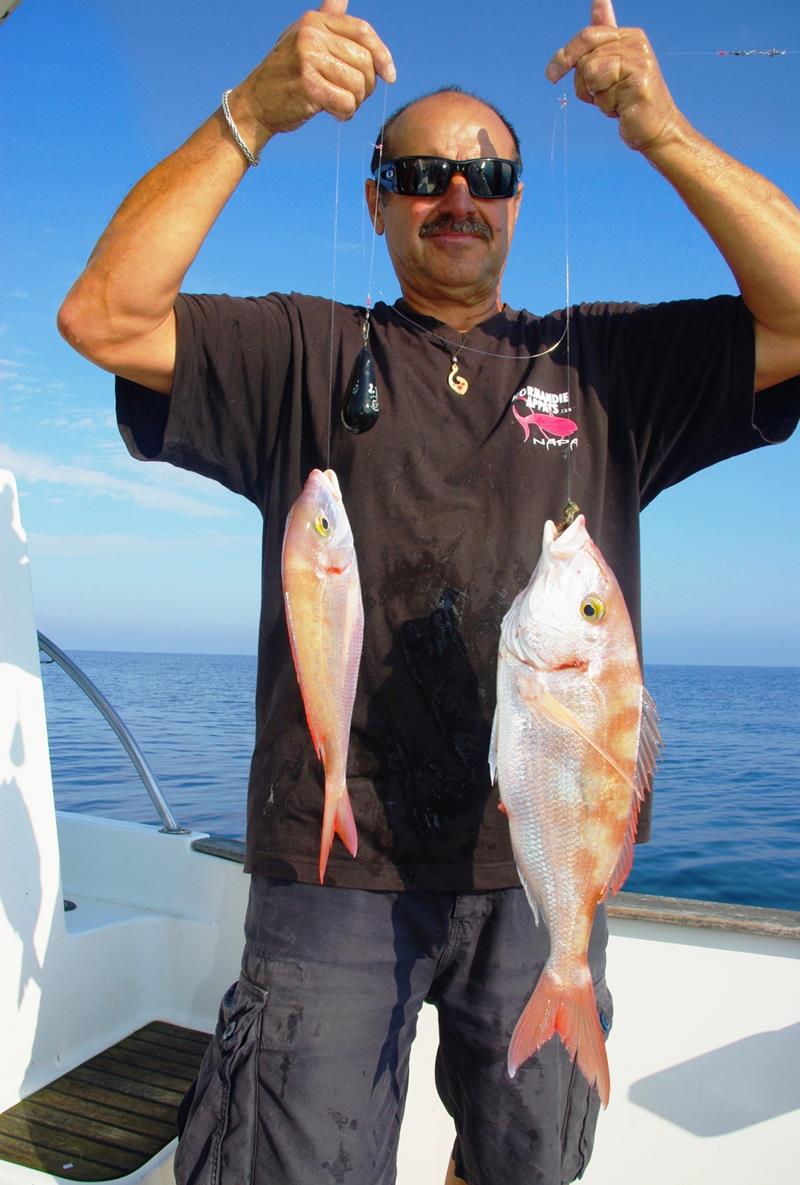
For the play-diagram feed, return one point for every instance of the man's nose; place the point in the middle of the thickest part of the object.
(457, 198)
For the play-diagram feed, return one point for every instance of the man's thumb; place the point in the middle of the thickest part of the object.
(335, 7)
(603, 13)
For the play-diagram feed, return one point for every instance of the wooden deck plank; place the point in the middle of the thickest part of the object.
(89, 1094)
(131, 1121)
(47, 1160)
(139, 1090)
(104, 1132)
(170, 1076)
(110, 1115)
(188, 1058)
(123, 1066)
(69, 1146)
(177, 1032)
(139, 1053)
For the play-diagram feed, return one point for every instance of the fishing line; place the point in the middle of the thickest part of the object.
(361, 406)
(567, 277)
(374, 218)
(333, 287)
(729, 53)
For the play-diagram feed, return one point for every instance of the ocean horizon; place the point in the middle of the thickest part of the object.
(726, 820)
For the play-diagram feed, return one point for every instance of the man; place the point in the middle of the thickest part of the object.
(446, 494)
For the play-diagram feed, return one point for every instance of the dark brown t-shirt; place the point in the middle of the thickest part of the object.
(447, 496)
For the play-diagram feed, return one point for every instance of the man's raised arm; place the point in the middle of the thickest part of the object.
(119, 312)
(754, 224)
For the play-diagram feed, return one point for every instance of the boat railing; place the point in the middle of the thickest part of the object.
(170, 824)
(643, 907)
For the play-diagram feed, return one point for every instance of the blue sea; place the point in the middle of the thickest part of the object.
(726, 824)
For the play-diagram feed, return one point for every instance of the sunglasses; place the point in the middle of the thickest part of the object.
(429, 176)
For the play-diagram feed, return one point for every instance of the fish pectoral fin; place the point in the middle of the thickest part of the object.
(493, 747)
(545, 704)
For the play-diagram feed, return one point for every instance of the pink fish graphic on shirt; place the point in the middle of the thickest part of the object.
(551, 427)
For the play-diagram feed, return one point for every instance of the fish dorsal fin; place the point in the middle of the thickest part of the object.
(650, 744)
(647, 756)
(545, 704)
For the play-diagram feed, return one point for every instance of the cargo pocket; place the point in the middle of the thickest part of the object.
(217, 1144)
(583, 1102)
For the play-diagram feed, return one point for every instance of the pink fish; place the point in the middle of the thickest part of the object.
(574, 744)
(325, 619)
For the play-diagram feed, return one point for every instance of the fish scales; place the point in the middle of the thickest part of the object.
(573, 748)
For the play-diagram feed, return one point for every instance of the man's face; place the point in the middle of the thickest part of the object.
(452, 247)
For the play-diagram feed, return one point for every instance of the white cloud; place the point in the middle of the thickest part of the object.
(91, 421)
(152, 495)
(76, 546)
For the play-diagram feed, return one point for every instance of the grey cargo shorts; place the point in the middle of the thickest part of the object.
(305, 1079)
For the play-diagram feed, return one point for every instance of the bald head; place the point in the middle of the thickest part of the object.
(388, 143)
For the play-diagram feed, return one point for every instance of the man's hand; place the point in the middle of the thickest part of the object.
(325, 61)
(119, 313)
(616, 70)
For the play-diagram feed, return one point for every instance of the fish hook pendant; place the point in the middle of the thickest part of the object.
(455, 381)
(361, 408)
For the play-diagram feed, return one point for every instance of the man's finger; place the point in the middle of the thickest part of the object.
(603, 13)
(363, 33)
(567, 58)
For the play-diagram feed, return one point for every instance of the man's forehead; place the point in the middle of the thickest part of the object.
(432, 124)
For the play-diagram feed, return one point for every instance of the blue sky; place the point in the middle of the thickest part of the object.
(94, 92)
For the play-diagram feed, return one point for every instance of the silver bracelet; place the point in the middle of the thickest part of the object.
(251, 160)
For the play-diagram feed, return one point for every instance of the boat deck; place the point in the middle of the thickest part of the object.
(110, 1115)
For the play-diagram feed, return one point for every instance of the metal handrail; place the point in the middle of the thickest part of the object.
(128, 742)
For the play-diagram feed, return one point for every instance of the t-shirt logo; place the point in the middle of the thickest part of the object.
(542, 418)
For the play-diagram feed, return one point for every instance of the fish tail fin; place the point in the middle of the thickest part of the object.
(337, 819)
(570, 1011)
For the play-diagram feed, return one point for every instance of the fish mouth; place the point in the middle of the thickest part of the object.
(529, 658)
(579, 665)
(561, 541)
(334, 482)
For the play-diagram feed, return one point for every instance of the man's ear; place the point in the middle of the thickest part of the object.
(372, 198)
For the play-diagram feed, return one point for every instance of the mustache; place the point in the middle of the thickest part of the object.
(471, 226)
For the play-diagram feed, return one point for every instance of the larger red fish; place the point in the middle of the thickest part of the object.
(574, 744)
(325, 618)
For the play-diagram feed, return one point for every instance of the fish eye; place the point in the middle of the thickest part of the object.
(592, 609)
(322, 525)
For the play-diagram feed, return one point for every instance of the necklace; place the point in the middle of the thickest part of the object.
(455, 381)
